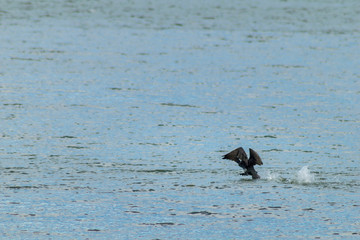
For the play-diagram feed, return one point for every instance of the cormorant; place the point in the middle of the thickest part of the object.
(239, 156)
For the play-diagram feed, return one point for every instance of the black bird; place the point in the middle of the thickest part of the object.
(239, 156)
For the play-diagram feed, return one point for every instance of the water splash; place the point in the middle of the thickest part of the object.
(272, 176)
(305, 176)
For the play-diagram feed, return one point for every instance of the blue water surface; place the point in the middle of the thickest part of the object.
(115, 116)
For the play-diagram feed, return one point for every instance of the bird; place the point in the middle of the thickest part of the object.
(239, 156)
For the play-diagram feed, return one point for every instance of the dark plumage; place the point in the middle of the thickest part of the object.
(239, 156)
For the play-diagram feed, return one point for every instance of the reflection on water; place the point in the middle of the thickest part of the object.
(114, 118)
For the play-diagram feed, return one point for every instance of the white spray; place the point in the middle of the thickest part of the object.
(272, 176)
(304, 175)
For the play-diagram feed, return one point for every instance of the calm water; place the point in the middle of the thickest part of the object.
(115, 115)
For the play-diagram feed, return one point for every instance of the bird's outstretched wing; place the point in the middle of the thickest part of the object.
(237, 155)
(254, 158)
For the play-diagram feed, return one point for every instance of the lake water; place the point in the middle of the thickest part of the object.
(115, 116)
